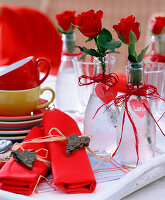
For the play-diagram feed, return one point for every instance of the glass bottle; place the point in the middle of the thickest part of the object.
(157, 53)
(66, 88)
(145, 125)
(102, 127)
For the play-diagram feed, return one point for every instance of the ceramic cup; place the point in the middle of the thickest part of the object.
(23, 74)
(22, 102)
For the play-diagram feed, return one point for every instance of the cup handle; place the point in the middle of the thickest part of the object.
(38, 61)
(49, 102)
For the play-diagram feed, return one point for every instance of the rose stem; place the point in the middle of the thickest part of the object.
(103, 66)
(159, 44)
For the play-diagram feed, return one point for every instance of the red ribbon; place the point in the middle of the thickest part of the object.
(108, 79)
(148, 91)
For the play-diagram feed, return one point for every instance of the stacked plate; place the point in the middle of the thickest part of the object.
(16, 128)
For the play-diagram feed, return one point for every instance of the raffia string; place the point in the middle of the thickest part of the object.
(61, 137)
(38, 157)
(39, 178)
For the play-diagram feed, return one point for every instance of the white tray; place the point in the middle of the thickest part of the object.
(114, 190)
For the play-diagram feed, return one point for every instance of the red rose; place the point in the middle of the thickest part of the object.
(125, 27)
(65, 19)
(157, 25)
(90, 23)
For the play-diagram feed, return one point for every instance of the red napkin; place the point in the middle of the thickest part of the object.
(72, 174)
(28, 32)
(18, 179)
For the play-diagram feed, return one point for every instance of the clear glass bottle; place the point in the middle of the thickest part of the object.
(144, 123)
(103, 127)
(66, 88)
(157, 53)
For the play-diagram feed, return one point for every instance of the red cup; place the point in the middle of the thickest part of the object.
(23, 74)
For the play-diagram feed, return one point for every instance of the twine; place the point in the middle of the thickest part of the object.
(38, 157)
(62, 137)
(39, 178)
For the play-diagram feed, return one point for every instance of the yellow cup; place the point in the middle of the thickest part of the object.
(22, 102)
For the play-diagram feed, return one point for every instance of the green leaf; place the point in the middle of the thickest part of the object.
(70, 30)
(163, 31)
(117, 44)
(91, 52)
(132, 59)
(111, 45)
(104, 36)
(89, 39)
(142, 54)
(61, 29)
(132, 38)
(121, 38)
(82, 57)
(75, 26)
(108, 45)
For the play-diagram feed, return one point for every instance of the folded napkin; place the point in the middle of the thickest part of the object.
(18, 179)
(72, 174)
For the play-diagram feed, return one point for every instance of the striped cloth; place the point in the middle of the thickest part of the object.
(106, 171)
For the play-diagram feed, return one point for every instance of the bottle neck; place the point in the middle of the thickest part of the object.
(68, 46)
(135, 74)
(109, 63)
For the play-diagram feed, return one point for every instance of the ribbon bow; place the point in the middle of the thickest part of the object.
(148, 91)
(108, 79)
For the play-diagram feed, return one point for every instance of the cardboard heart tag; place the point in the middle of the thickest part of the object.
(25, 158)
(106, 94)
(75, 143)
(138, 106)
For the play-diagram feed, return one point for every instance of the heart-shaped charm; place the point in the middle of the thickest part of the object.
(25, 158)
(138, 106)
(106, 94)
(75, 143)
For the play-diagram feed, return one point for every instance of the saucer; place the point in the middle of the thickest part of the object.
(21, 137)
(6, 133)
(19, 124)
(34, 115)
(19, 128)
